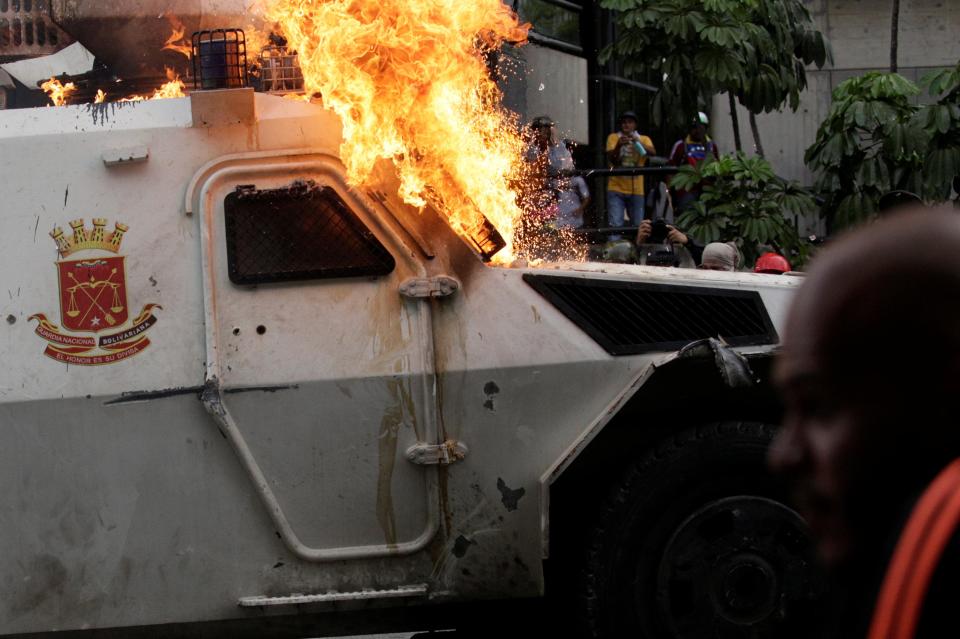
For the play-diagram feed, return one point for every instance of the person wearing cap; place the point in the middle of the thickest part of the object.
(625, 193)
(772, 264)
(692, 150)
(549, 159)
(895, 200)
(547, 148)
(720, 256)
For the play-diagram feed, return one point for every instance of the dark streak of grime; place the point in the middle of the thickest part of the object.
(140, 396)
(101, 113)
(260, 389)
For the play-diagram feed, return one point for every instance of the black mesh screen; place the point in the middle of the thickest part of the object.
(298, 233)
(627, 318)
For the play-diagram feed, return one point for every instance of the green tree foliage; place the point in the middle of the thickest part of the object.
(942, 122)
(754, 49)
(743, 201)
(876, 140)
(870, 143)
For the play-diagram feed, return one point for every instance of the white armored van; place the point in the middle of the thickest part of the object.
(239, 396)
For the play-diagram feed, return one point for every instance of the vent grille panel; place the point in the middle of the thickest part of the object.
(629, 318)
(26, 30)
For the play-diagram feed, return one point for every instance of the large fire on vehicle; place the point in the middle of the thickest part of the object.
(411, 83)
(296, 390)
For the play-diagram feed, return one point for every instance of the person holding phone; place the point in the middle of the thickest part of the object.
(627, 148)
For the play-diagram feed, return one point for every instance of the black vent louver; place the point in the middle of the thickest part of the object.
(628, 318)
(301, 232)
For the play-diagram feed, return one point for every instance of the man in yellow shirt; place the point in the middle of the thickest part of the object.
(625, 194)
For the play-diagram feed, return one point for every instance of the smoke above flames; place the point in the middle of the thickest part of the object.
(411, 84)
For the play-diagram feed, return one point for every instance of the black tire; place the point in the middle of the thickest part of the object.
(695, 543)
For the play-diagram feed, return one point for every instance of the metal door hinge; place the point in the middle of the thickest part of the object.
(426, 287)
(437, 454)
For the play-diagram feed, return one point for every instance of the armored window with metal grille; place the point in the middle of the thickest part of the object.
(302, 232)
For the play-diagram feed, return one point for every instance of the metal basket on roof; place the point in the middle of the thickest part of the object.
(280, 70)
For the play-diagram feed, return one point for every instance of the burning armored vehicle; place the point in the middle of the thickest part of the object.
(267, 358)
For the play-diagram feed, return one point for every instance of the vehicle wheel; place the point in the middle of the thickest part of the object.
(694, 543)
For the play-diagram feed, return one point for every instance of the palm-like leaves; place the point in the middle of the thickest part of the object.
(875, 140)
(745, 202)
(942, 123)
(755, 49)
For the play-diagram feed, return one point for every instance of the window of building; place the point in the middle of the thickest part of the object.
(552, 20)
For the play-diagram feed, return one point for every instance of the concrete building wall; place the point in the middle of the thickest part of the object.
(541, 81)
(859, 31)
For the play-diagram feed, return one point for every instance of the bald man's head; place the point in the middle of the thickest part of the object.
(892, 288)
(870, 368)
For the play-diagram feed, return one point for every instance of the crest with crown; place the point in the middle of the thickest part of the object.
(83, 239)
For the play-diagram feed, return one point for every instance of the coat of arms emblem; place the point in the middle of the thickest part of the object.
(93, 299)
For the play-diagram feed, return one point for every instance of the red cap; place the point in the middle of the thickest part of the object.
(772, 263)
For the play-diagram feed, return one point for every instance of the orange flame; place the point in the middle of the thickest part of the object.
(57, 92)
(256, 41)
(176, 41)
(100, 98)
(410, 84)
(172, 89)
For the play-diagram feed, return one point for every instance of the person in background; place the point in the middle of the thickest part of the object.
(660, 203)
(548, 160)
(573, 199)
(692, 150)
(772, 263)
(720, 256)
(625, 193)
(869, 370)
(650, 232)
(892, 201)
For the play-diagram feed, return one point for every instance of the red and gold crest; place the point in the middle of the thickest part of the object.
(93, 294)
(93, 299)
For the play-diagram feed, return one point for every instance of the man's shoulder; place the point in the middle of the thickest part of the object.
(940, 603)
